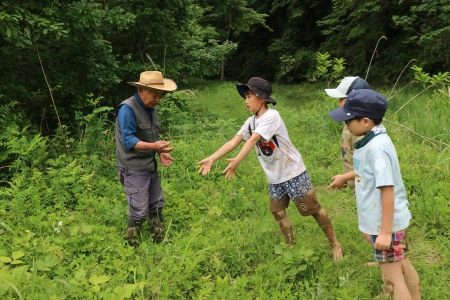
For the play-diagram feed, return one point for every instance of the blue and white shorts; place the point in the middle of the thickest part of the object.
(300, 190)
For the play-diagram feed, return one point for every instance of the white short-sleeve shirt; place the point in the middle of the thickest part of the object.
(277, 155)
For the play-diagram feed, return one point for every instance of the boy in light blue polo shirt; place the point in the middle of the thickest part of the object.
(380, 194)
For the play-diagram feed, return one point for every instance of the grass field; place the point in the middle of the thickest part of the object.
(63, 217)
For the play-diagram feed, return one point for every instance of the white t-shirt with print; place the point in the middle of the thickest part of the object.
(277, 155)
(376, 165)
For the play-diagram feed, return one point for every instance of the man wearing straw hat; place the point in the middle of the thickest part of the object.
(137, 142)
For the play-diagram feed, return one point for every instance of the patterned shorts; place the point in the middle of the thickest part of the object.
(397, 251)
(300, 190)
(295, 188)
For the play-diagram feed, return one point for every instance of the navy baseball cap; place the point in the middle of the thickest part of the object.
(363, 103)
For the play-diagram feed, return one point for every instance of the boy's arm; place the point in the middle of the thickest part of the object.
(229, 146)
(340, 181)
(233, 163)
(384, 239)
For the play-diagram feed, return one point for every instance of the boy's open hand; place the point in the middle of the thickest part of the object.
(383, 241)
(232, 165)
(205, 167)
(338, 182)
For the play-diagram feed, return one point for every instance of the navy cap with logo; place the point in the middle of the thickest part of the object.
(261, 87)
(363, 103)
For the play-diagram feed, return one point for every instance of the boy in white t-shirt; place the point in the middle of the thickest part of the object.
(281, 161)
(380, 193)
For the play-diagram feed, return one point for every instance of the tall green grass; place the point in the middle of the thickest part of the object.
(222, 241)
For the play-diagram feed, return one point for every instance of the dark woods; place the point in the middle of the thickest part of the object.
(83, 50)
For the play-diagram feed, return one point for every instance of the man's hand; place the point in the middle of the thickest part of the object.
(166, 159)
(232, 165)
(206, 165)
(338, 182)
(161, 147)
(383, 241)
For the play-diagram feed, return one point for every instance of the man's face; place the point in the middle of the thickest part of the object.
(151, 98)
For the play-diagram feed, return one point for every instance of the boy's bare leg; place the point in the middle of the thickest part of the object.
(309, 205)
(401, 280)
(411, 279)
(285, 225)
(324, 222)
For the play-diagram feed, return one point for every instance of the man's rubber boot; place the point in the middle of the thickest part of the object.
(133, 232)
(157, 227)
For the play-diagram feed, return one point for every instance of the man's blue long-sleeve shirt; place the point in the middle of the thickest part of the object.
(127, 122)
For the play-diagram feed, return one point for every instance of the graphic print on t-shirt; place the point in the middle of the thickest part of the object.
(278, 157)
(267, 148)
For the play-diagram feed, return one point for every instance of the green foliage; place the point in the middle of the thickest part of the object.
(439, 80)
(94, 127)
(428, 26)
(23, 26)
(92, 47)
(330, 70)
(62, 217)
(352, 30)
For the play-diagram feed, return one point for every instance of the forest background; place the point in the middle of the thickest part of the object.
(64, 67)
(95, 47)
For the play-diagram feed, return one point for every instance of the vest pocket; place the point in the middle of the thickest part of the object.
(144, 126)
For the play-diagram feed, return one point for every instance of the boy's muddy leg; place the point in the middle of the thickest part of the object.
(325, 223)
(310, 206)
(285, 225)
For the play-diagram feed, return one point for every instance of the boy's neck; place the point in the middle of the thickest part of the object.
(263, 109)
(370, 127)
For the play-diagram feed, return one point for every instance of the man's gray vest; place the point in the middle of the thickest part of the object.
(146, 130)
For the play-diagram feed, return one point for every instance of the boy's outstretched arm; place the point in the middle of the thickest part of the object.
(340, 181)
(206, 164)
(233, 163)
(384, 239)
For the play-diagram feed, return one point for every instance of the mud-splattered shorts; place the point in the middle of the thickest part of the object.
(397, 251)
(300, 190)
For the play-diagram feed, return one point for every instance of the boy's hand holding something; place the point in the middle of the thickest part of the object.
(340, 181)
(206, 165)
(383, 241)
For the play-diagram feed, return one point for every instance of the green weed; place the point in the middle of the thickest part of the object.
(63, 215)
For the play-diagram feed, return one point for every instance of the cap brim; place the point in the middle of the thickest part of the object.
(339, 115)
(168, 85)
(335, 93)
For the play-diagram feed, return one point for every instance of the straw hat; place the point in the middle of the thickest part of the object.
(154, 80)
